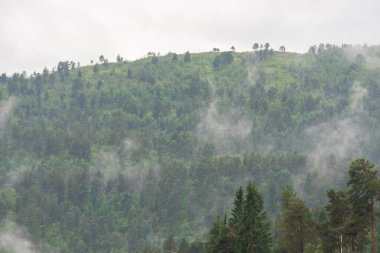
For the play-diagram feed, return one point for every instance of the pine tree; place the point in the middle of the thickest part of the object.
(236, 220)
(184, 246)
(220, 240)
(186, 58)
(256, 230)
(247, 231)
(364, 186)
(339, 211)
(296, 223)
(169, 245)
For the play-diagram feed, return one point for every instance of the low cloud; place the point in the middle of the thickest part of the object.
(16, 175)
(370, 55)
(15, 239)
(6, 109)
(112, 165)
(225, 132)
(340, 138)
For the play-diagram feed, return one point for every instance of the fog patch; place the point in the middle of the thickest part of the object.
(340, 138)
(110, 165)
(15, 239)
(129, 146)
(16, 175)
(362, 54)
(6, 109)
(252, 72)
(226, 132)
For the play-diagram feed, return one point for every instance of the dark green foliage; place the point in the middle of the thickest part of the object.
(169, 245)
(255, 232)
(248, 229)
(3, 78)
(363, 188)
(174, 57)
(119, 58)
(339, 213)
(186, 57)
(225, 58)
(184, 246)
(221, 239)
(351, 212)
(154, 60)
(296, 223)
(96, 68)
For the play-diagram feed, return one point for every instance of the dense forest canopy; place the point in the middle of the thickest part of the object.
(128, 156)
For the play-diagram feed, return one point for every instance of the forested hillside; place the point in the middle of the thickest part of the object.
(120, 156)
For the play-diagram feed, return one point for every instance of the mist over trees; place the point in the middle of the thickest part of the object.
(143, 156)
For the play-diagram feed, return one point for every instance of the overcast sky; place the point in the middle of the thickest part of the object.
(39, 33)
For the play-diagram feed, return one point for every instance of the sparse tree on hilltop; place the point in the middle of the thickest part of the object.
(119, 58)
(186, 58)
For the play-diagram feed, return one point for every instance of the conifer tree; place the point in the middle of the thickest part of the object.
(184, 246)
(339, 211)
(364, 186)
(236, 220)
(219, 238)
(256, 230)
(296, 222)
(247, 231)
(169, 245)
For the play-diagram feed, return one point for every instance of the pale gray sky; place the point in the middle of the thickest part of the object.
(39, 33)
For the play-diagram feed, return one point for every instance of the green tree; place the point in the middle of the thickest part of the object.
(169, 244)
(186, 58)
(248, 229)
(184, 246)
(256, 229)
(296, 223)
(237, 218)
(119, 58)
(339, 211)
(96, 68)
(363, 188)
(220, 240)
(174, 57)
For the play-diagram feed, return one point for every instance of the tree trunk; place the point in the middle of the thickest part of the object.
(372, 227)
(301, 240)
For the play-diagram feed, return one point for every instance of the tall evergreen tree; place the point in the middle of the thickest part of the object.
(363, 188)
(296, 223)
(339, 211)
(169, 244)
(236, 220)
(248, 230)
(256, 229)
(184, 246)
(220, 240)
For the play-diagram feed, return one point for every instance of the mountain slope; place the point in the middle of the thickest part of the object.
(117, 155)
